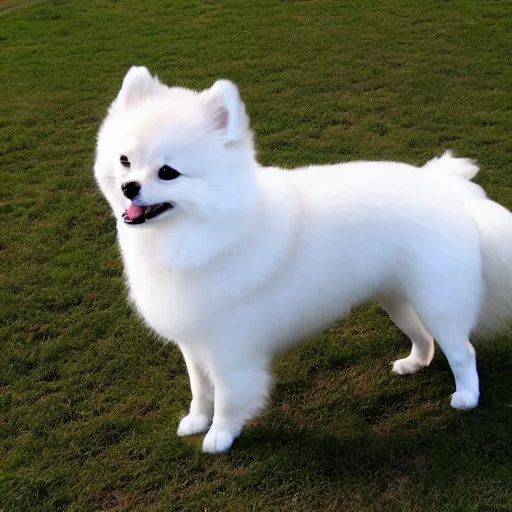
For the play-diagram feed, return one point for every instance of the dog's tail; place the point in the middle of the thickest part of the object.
(494, 223)
(448, 164)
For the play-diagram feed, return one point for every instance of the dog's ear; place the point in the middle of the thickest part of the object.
(226, 110)
(138, 84)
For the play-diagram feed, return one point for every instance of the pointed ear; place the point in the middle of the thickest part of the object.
(226, 110)
(138, 84)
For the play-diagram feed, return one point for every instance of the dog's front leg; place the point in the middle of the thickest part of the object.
(201, 406)
(239, 394)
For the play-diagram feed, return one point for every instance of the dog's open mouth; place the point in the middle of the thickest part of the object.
(135, 214)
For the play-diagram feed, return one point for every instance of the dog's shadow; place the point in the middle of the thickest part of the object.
(398, 443)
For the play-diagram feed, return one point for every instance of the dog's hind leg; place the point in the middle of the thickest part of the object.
(450, 313)
(462, 359)
(406, 319)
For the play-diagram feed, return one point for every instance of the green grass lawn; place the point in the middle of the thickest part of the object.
(90, 400)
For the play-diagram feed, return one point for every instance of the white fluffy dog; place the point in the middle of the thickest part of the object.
(235, 262)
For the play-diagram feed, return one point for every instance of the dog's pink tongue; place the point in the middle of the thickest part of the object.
(134, 211)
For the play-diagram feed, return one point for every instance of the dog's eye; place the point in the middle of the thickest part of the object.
(124, 161)
(168, 173)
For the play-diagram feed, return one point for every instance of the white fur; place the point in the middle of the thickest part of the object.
(251, 260)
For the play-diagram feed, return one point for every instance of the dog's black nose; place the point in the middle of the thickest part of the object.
(131, 189)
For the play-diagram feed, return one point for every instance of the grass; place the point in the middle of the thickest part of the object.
(90, 400)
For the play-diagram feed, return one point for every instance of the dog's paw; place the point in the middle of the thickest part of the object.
(407, 365)
(464, 400)
(193, 424)
(217, 441)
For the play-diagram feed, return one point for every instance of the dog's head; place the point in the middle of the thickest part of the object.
(165, 152)
(178, 160)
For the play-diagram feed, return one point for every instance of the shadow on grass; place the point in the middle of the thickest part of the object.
(413, 463)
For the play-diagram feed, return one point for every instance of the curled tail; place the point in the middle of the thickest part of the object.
(448, 164)
(494, 224)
